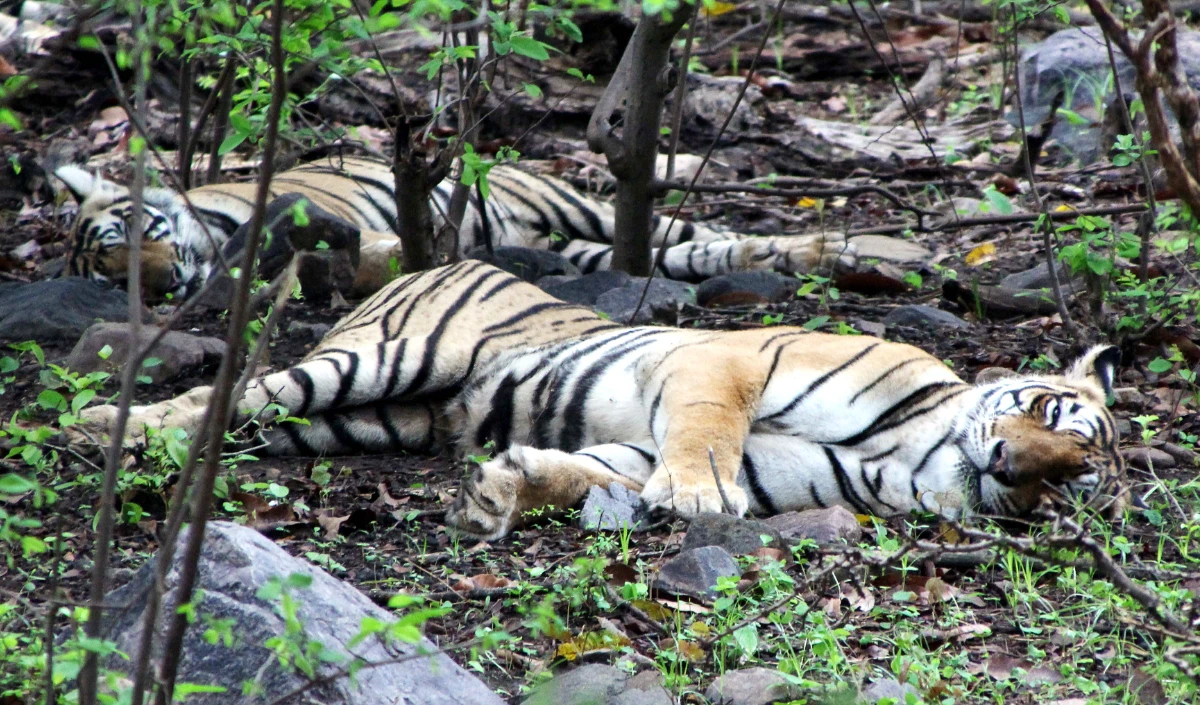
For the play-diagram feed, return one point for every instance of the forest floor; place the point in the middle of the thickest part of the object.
(1013, 630)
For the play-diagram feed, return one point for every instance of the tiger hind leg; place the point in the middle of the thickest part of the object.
(499, 493)
(415, 427)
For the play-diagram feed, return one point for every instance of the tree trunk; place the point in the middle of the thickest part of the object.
(414, 218)
(644, 79)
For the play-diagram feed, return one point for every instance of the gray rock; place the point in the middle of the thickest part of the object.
(751, 686)
(57, 309)
(526, 262)
(664, 297)
(736, 535)
(612, 508)
(584, 290)
(236, 562)
(889, 249)
(1035, 278)
(888, 688)
(1145, 458)
(825, 526)
(920, 315)
(740, 288)
(177, 352)
(694, 572)
(309, 331)
(590, 684)
(1076, 61)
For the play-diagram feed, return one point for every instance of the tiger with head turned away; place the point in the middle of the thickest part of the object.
(184, 236)
(471, 357)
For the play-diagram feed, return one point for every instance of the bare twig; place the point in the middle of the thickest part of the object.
(712, 463)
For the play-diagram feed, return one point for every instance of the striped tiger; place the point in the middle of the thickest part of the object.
(181, 242)
(472, 357)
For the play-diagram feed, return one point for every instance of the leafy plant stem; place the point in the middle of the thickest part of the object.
(221, 403)
(112, 462)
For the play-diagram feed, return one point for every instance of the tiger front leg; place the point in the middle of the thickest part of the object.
(500, 493)
(702, 413)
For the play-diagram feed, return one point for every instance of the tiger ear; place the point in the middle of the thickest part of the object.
(82, 184)
(1098, 366)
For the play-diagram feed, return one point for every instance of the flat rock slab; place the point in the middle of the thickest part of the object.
(176, 352)
(694, 572)
(57, 309)
(526, 263)
(597, 684)
(663, 297)
(920, 315)
(586, 289)
(825, 526)
(612, 508)
(890, 249)
(736, 535)
(746, 288)
(236, 562)
(751, 686)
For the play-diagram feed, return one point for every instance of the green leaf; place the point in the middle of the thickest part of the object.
(1158, 366)
(998, 201)
(8, 364)
(533, 90)
(10, 118)
(11, 484)
(152, 362)
(52, 400)
(1073, 117)
(105, 352)
(82, 399)
(530, 47)
(231, 142)
(182, 690)
(90, 42)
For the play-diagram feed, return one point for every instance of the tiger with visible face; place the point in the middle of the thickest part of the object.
(183, 236)
(472, 357)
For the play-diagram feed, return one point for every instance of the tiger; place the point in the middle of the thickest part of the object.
(183, 236)
(764, 420)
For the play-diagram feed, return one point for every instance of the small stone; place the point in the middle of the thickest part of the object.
(921, 315)
(1036, 278)
(309, 331)
(874, 328)
(1128, 396)
(176, 352)
(664, 297)
(526, 263)
(590, 684)
(889, 249)
(1124, 427)
(695, 572)
(736, 535)
(887, 688)
(612, 508)
(743, 288)
(751, 686)
(825, 526)
(586, 289)
(1148, 458)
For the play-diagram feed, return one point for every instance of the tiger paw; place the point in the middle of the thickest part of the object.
(692, 498)
(486, 505)
(806, 253)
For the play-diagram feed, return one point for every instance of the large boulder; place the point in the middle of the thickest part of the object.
(235, 564)
(57, 309)
(1075, 62)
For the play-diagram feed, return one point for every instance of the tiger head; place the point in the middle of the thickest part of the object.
(172, 246)
(1030, 437)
